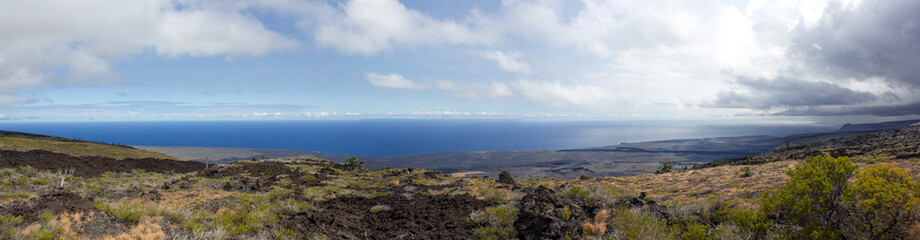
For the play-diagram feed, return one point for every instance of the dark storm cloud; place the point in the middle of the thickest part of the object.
(789, 92)
(881, 111)
(879, 39)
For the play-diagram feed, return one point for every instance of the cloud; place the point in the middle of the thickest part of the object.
(877, 110)
(558, 94)
(151, 110)
(870, 39)
(370, 26)
(841, 58)
(821, 57)
(508, 61)
(392, 81)
(790, 92)
(82, 40)
(9, 100)
(476, 91)
(468, 90)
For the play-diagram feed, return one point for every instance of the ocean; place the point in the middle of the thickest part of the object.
(383, 138)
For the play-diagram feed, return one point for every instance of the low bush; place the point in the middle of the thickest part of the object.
(820, 202)
(883, 203)
(638, 224)
(8, 224)
(497, 222)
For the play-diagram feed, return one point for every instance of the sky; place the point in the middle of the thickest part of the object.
(758, 60)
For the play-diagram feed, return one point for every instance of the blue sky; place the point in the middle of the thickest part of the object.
(774, 61)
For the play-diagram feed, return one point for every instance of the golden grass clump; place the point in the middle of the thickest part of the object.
(147, 229)
(598, 225)
(61, 226)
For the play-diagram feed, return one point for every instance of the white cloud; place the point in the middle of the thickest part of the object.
(208, 33)
(508, 61)
(476, 91)
(9, 100)
(392, 81)
(369, 26)
(51, 42)
(558, 94)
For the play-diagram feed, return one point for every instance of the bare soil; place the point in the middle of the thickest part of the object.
(412, 216)
(91, 166)
(259, 176)
(56, 202)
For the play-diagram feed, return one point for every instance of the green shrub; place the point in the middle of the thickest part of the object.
(380, 208)
(497, 222)
(7, 225)
(750, 222)
(575, 191)
(745, 172)
(46, 233)
(696, 231)
(884, 202)
(285, 233)
(665, 167)
(810, 199)
(492, 232)
(638, 224)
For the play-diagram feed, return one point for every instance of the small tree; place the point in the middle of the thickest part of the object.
(811, 198)
(665, 167)
(352, 160)
(883, 200)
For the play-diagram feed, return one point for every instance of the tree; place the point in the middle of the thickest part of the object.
(810, 201)
(665, 167)
(352, 160)
(883, 200)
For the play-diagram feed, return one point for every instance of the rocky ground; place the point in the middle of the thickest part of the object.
(309, 198)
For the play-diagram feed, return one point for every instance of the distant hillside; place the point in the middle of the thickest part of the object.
(17, 141)
(894, 144)
(219, 155)
(869, 127)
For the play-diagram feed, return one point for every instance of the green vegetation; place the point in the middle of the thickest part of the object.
(812, 196)
(497, 222)
(637, 224)
(820, 202)
(380, 208)
(7, 223)
(665, 167)
(883, 202)
(77, 148)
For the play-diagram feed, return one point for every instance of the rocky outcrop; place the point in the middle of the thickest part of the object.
(544, 215)
(505, 177)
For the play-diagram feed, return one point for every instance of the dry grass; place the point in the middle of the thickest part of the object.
(598, 225)
(191, 197)
(7, 201)
(63, 225)
(149, 228)
(466, 174)
(699, 185)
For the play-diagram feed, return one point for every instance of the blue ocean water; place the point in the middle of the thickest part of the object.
(396, 137)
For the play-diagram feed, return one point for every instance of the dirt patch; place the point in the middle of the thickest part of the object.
(91, 166)
(56, 202)
(406, 215)
(259, 176)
